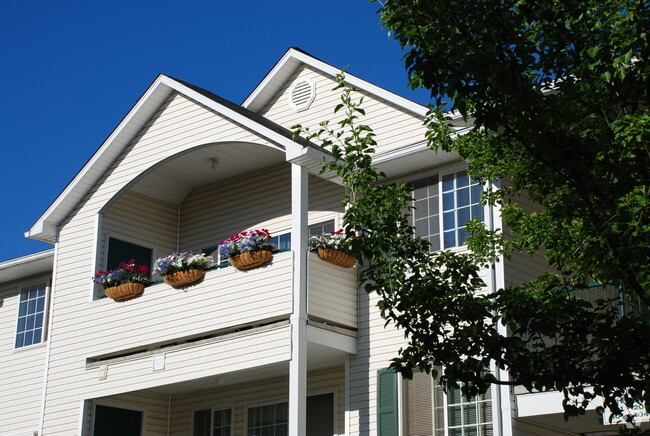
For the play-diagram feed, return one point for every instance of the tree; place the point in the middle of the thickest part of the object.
(557, 94)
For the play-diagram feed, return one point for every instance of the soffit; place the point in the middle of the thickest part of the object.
(174, 179)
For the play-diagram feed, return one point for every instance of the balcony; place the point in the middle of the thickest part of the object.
(226, 301)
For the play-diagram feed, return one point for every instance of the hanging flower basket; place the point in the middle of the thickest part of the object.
(337, 257)
(251, 259)
(125, 291)
(184, 278)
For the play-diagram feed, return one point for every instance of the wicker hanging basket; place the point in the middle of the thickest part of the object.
(337, 257)
(250, 260)
(125, 291)
(184, 278)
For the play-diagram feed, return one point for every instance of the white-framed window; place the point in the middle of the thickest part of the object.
(268, 420)
(432, 412)
(30, 326)
(444, 203)
(271, 418)
(217, 421)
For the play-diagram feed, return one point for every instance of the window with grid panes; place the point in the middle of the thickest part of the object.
(426, 215)
(31, 315)
(213, 422)
(457, 196)
(268, 420)
(460, 205)
(431, 412)
(467, 416)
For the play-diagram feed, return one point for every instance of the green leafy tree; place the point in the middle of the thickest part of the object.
(557, 95)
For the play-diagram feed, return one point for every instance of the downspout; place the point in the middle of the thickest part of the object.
(48, 348)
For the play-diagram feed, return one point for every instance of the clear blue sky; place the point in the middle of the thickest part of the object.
(71, 69)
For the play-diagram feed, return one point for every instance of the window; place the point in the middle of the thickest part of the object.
(273, 419)
(281, 242)
(268, 420)
(457, 196)
(460, 205)
(113, 420)
(431, 412)
(122, 251)
(31, 315)
(213, 422)
(320, 228)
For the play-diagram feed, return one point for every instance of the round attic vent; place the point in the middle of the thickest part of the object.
(302, 94)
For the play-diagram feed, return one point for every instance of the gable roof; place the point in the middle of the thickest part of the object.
(301, 151)
(294, 58)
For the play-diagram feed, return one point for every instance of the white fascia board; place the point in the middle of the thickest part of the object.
(399, 153)
(32, 264)
(45, 228)
(291, 54)
(27, 259)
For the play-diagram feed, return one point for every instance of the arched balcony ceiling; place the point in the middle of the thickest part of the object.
(173, 179)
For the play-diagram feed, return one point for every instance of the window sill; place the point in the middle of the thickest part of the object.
(30, 347)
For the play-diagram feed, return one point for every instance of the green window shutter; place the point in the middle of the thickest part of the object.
(387, 402)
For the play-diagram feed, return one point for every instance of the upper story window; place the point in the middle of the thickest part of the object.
(457, 196)
(31, 315)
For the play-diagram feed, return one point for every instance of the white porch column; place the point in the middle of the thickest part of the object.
(298, 366)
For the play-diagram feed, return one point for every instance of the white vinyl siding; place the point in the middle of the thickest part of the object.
(214, 212)
(179, 125)
(394, 127)
(22, 369)
(140, 220)
(332, 293)
(262, 390)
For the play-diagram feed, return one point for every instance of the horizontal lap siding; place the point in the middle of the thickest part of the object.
(522, 267)
(332, 292)
(214, 212)
(201, 360)
(262, 200)
(377, 346)
(180, 124)
(21, 370)
(140, 220)
(242, 395)
(394, 127)
(154, 405)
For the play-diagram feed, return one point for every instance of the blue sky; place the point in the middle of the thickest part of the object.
(71, 69)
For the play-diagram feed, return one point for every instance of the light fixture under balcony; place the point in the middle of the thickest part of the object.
(215, 164)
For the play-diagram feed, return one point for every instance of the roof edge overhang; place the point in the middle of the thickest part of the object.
(292, 60)
(29, 265)
(47, 226)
